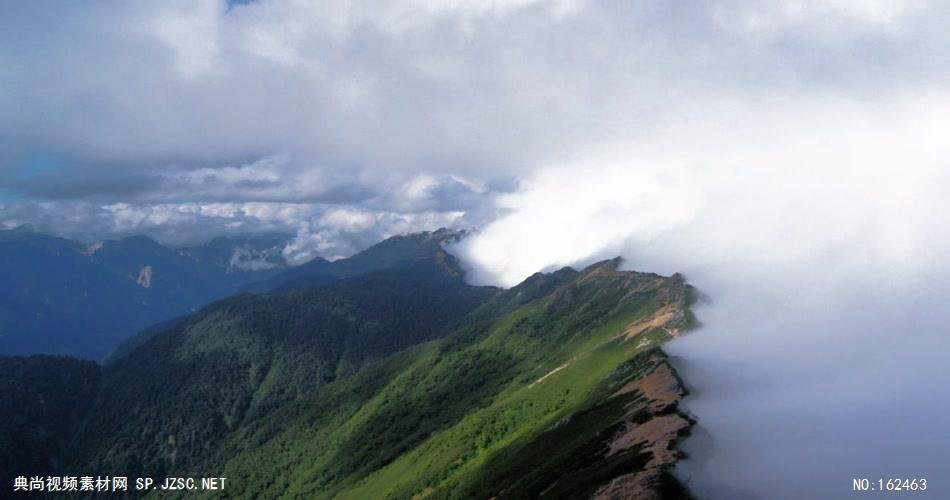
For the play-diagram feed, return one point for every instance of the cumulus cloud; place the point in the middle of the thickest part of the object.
(335, 85)
(401, 106)
(356, 90)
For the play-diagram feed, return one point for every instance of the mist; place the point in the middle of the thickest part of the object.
(817, 237)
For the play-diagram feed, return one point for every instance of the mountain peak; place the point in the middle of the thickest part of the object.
(606, 265)
(392, 252)
(446, 235)
(138, 240)
(442, 236)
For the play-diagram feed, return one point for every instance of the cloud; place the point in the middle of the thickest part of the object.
(190, 30)
(327, 230)
(354, 103)
(599, 210)
(816, 230)
(450, 88)
(191, 83)
(340, 232)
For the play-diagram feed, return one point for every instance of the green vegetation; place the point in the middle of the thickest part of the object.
(181, 392)
(405, 382)
(42, 401)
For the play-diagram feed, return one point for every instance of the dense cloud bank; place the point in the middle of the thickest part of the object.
(789, 156)
(826, 265)
(398, 108)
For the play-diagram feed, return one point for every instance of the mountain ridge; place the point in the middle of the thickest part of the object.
(405, 382)
(387, 253)
(61, 296)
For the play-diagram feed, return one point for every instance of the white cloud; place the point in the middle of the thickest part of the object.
(420, 186)
(571, 213)
(347, 219)
(340, 232)
(873, 12)
(817, 230)
(190, 30)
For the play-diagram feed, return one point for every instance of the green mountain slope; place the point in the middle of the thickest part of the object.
(181, 391)
(406, 382)
(391, 252)
(42, 402)
(532, 396)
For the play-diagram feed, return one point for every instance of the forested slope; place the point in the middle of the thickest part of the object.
(405, 382)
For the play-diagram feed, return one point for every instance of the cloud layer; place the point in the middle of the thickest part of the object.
(347, 103)
(817, 232)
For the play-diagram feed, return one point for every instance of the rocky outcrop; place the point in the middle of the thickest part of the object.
(144, 278)
(654, 426)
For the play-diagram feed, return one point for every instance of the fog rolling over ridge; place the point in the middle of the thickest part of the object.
(823, 254)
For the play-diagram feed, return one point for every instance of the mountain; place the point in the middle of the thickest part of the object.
(42, 401)
(393, 252)
(405, 382)
(554, 386)
(390, 252)
(249, 355)
(242, 253)
(59, 296)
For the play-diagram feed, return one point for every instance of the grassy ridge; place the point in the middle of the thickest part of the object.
(402, 383)
(503, 407)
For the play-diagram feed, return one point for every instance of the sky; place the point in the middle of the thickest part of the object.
(335, 120)
(788, 156)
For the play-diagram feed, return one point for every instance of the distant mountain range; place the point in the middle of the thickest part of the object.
(59, 296)
(386, 254)
(382, 376)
